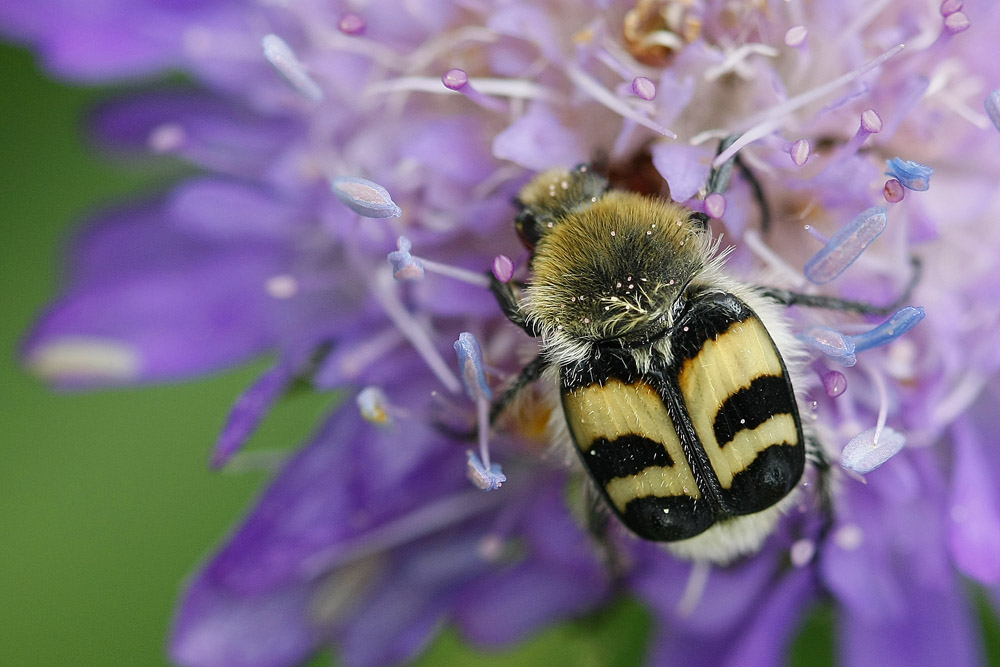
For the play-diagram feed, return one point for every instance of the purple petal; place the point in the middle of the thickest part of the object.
(554, 533)
(974, 509)
(545, 587)
(453, 150)
(685, 168)
(401, 616)
(661, 581)
(530, 23)
(145, 305)
(232, 210)
(538, 140)
(315, 557)
(935, 626)
(392, 630)
(250, 410)
(765, 639)
(859, 560)
(330, 494)
(209, 131)
(511, 605)
(365, 357)
(861, 575)
(216, 626)
(671, 646)
(127, 241)
(761, 639)
(99, 40)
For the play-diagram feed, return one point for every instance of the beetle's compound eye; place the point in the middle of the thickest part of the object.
(527, 227)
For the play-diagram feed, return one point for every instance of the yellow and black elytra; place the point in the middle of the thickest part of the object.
(710, 435)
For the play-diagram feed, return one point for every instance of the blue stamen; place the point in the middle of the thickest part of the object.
(364, 197)
(832, 343)
(404, 265)
(846, 245)
(913, 175)
(870, 449)
(487, 480)
(470, 363)
(901, 321)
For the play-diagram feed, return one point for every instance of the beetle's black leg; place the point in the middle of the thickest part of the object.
(598, 526)
(718, 183)
(718, 178)
(790, 298)
(509, 302)
(824, 482)
(824, 495)
(528, 374)
(758, 194)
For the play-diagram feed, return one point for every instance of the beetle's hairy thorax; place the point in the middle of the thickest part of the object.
(612, 270)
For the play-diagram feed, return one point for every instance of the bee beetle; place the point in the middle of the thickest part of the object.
(677, 383)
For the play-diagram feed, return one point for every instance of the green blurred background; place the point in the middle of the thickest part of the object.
(106, 502)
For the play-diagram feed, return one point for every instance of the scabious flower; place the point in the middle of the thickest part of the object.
(327, 131)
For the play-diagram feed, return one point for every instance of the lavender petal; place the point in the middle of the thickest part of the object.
(249, 411)
(538, 140)
(173, 306)
(974, 509)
